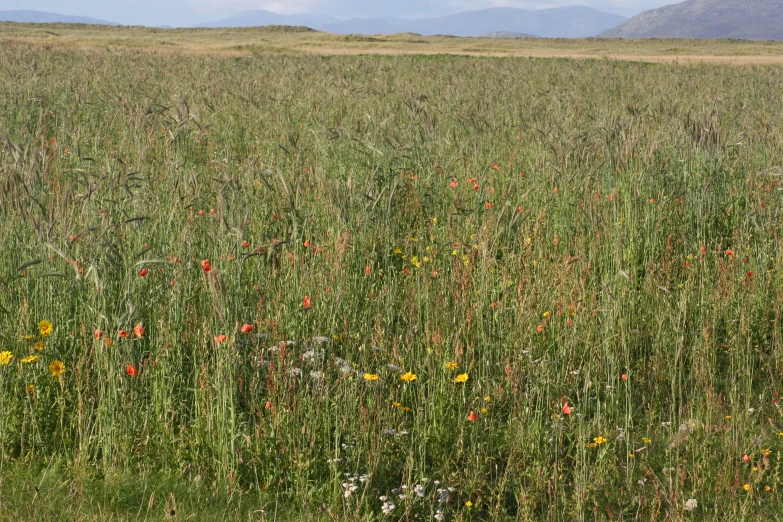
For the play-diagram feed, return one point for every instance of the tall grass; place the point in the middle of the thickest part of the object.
(611, 243)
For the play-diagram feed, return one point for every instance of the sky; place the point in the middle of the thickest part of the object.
(189, 12)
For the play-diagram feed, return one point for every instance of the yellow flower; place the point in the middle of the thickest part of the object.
(488, 398)
(646, 440)
(40, 346)
(468, 503)
(766, 452)
(746, 487)
(592, 445)
(415, 261)
(463, 377)
(398, 251)
(370, 377)
(408, 377)
(631, 455)
(426, 259)
(546, 314)
(483, 410)
(46, 328)
(451, 365)
(767, 488)
(29, 359)
(399, 406)
(57, 368)
(600, 440)
(31, 389)
(6, 358)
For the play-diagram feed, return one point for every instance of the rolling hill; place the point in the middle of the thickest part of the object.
(43, 17)
(747, 19)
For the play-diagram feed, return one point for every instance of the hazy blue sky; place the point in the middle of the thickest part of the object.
(188, 12)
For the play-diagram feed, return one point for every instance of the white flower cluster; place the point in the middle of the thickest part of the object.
(350, 485)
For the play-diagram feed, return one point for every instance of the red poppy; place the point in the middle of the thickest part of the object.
(744, 259)
(131, 370)
(213, 211)
(540, 328)
(201, 212)
(97, 334)
(143, 272)
(206, 266)
(703, 249)
(453, 183)
(247, 328)
(746, 458)
(476, 186)
(307, 243)
(566, 409)
(487, 205)
(138, 330)
(122, 334)
(473, 416)
(307, 303)
(624, 377)
(750, 275)
(434, 273)
(245, 244)
(367, 270)
(219, 339)
(729, 252)
(495, 167)
(268, 404)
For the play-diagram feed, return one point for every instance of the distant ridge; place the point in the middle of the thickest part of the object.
(747, 19)
(562, 22)
(507, 34)
(43, 17)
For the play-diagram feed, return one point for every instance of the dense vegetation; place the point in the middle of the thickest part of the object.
(471, 289)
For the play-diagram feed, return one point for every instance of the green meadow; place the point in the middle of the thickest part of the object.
(274, 287)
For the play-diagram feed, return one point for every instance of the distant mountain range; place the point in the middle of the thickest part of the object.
(750, 19)
(562, 22)
(41, 17)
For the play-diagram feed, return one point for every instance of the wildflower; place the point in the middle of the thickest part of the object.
(599, 440)
(108, 342)
(453, 183)
(451, 365)
(97, 334)
(408, 377)
(691, 504)
(370, 377)
(131, 370)
(138, 330)
(245, 244)
(463, 377)
(206, 266)
(746, 487)
(624, 377)
(400, 406)
(31, 389)
(29, 359)
(487, 399)
(6, 358)
(143, 272)
(39, 346)
(729, 252)
(419, 490)
(646, 440)
(57, 368)
(122, 334)
(367, 270)
(468, 503)
(488, 205)
(46, 328)
(247, 328)
(415, 262)
(566, 409)
(473, 416)
(220, 339)
(746, 458)
(388, 507)
(540, 328)
(306, 304)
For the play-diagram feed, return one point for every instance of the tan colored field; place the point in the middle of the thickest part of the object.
(241, 41)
